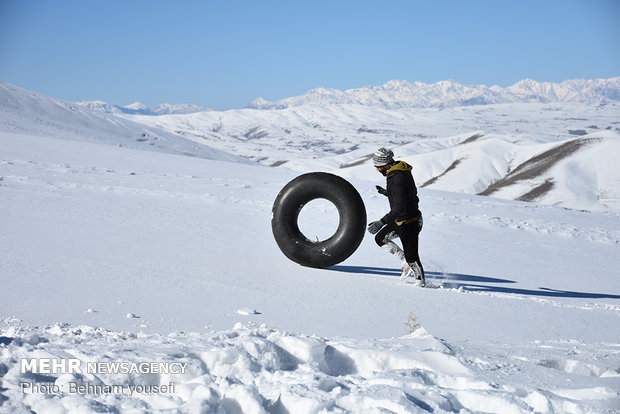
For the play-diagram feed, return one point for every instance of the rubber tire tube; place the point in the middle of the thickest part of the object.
(351, 227)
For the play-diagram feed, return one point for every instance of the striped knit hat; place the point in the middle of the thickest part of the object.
(382, 156)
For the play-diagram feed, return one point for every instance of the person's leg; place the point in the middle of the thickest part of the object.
(384, 240)
(410, 239)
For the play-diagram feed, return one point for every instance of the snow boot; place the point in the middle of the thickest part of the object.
(414, 269)
(419, 274)
(405, 271)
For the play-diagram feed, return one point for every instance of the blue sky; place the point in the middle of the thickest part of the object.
(223, 54)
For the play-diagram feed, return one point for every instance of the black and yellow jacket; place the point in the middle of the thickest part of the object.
(402, 194)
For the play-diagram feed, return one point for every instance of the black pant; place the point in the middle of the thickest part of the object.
(408, 234)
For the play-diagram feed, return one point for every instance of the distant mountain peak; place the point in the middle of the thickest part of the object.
(136, 106)
(167, 108)
(394, 84)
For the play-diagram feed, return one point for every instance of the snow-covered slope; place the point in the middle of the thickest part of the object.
(27, 112)
(110, 254)
(404, 94)
(473, 149)
(579, 173)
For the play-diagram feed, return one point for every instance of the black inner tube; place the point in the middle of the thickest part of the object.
(351, 212)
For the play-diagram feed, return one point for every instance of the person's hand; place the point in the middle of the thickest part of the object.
(381, 190)
(375, 226)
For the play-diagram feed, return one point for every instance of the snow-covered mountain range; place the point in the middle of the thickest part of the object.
(404, 94)
(138, 108)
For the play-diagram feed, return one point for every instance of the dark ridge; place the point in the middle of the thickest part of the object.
(278, 163)
(450, 168)
(472, 139)
(364, 158)
(578, 132)
(537, 192)
(255, 133)
(358, 162)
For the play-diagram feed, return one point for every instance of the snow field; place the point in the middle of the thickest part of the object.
(106, 232)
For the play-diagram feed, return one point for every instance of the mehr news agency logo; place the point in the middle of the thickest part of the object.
(59, 366)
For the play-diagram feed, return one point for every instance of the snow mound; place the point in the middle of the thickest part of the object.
(255, 369)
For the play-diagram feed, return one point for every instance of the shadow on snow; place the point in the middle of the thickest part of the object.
(473, 283)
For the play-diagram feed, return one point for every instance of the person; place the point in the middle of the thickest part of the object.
(404, 220)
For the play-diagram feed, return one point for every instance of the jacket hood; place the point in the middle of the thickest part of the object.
(400, 166)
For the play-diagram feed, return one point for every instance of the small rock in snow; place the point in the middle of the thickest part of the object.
(132, 315)
(247, 312)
